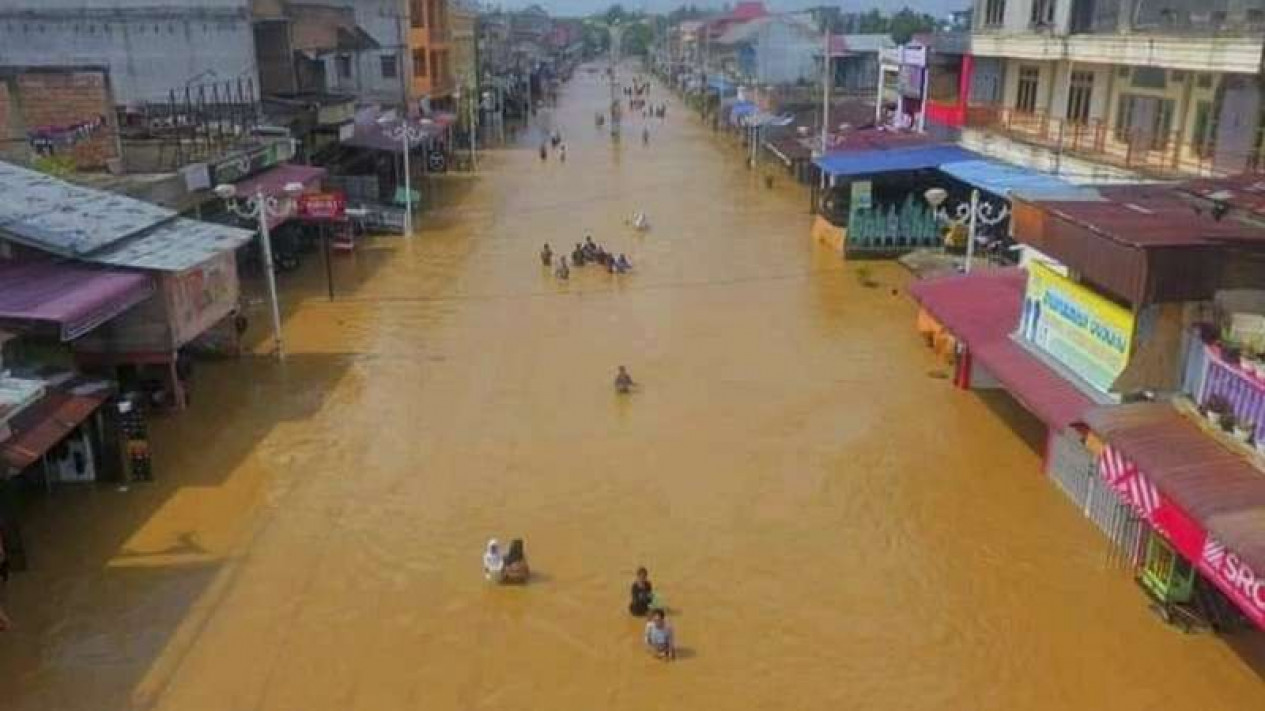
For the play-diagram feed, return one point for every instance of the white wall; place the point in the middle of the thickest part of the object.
(151, 48)
(785, 54)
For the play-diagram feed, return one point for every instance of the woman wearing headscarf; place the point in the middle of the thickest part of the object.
(516, 570)
(493, 563)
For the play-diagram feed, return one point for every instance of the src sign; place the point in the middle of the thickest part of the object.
(322, 206)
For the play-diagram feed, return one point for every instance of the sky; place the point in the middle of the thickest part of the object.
(587, 7)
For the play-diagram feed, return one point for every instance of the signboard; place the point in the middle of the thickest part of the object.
(240, 165)
(862, 195)
(909, 81)
(322, 206)
(197, 298)
(1086, 332)
(1221, 566)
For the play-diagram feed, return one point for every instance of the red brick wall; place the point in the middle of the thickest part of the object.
(63, 98)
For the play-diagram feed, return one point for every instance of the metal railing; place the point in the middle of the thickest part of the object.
(1160, 155)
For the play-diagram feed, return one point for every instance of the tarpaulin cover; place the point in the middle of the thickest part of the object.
(893, 160)
(1003, 178)
(73, 297)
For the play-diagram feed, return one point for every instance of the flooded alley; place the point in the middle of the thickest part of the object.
(831, 524)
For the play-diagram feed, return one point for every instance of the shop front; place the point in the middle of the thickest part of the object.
(1204, 501)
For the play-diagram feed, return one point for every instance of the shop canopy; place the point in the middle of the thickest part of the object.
(1004, 179)
(66, 404)
(1207, 500)
(273, 183)
(73, 298)
(981, 310)
(893, 160)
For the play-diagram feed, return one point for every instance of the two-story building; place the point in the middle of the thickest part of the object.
(1167, 88)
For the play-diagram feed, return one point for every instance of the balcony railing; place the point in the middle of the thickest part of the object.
(1152, 154)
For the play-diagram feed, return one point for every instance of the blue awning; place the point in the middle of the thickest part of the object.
(891, 160)
(720, 84)
(739, 110)
(1004, 178)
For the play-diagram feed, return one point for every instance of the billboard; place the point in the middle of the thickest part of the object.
(1089, 334)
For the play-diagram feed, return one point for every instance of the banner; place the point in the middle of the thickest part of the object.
(1221, 566)
(322, 206)
(1086, 332)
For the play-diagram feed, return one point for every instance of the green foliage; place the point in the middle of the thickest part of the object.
(58, 166)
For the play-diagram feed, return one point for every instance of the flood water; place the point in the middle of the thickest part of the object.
(832, 525)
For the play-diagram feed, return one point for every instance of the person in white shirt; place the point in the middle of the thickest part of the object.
(493, 563)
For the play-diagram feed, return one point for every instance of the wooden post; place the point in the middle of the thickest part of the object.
(329, 264)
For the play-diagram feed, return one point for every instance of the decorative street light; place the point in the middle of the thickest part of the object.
(407, 136)
(970, 213)
(263, 207)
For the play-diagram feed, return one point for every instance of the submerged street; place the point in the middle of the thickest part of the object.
(831, 524)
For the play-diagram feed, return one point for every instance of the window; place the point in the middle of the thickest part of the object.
(994, 12)
(1150, 78)
(1204, 81)
(1029, 80)
(344, 66)
(1079, 96)
(417, 13)
(419, 63)
(1043, 13)
(389, 69)
(1204, 134)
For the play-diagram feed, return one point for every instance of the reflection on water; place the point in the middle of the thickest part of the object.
(832, 528)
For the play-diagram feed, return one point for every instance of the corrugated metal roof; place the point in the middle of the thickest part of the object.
(1007, 179)
(74, 298)
(174, 247)
(274, 180)
(892, 160)
(40, 427)
(1215, 485)
(68, 220)
(1244, 192)
(1147, 216)
(982, 309)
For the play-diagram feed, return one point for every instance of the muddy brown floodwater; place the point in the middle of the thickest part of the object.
(832, 527)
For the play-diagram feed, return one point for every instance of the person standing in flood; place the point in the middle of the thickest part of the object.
(642, 593)
(660, 639)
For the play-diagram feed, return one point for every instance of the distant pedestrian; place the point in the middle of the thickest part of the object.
(563, 272)
(562, 153)
(544, 152)
(642, 594)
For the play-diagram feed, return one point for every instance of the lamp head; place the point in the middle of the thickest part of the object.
(293, 189)
(936, 196)
(226, 191)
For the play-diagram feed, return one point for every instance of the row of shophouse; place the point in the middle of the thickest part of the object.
(135, 140)
(1081, 187)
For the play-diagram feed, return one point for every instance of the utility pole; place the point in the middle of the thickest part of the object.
(825, 90)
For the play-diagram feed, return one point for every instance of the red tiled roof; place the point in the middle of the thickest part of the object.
(982, 310)
(1216, 486)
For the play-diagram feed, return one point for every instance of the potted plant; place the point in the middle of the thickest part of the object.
(1215, 408)
(1244, 429)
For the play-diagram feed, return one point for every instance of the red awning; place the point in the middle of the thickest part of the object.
(73, 297)
(43, 425)
(274, 181)
(1206, 499)
(982, 310)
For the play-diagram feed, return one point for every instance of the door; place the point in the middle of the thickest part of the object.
(1236, 127)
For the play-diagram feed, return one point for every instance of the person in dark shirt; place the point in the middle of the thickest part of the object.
(642, 594)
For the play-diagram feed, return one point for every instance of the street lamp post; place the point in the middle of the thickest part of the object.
(971, 213)
(407, 136)
(263, 207)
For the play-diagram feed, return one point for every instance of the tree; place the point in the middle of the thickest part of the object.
(907, 23)
(637, 38)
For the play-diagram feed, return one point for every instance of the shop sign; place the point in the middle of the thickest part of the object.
(322, 206)
(197, 298)
(240, 165)
(1086, 332)
(862, 195)
(1222, 567)
(909, 82)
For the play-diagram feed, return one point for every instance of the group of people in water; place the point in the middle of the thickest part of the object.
(587, 252)
(510, 568)
(555, 140)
